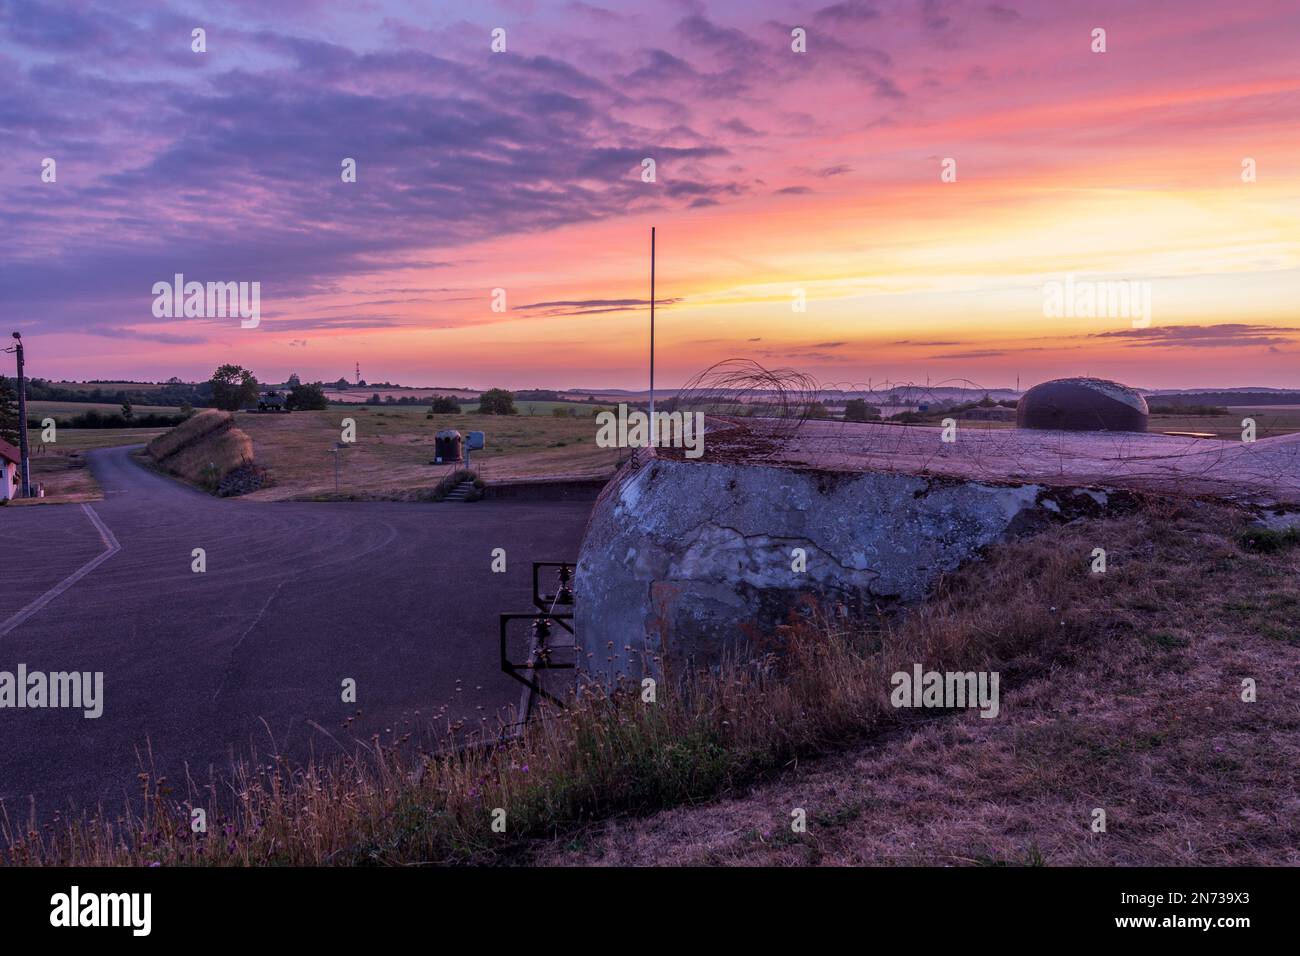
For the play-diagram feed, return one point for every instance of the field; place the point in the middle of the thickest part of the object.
(63, 410)
(471, 406)
(110, 386)
(1270, 422)
(394, 447)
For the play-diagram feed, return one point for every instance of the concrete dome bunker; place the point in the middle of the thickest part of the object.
(1082, 404)
(685, 564)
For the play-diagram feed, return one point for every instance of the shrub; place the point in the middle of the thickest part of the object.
(444, 405)
(307, 398)
(496, 401)
(857, 410)
(1268, 540)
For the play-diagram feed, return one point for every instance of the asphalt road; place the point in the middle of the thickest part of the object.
(252, 652)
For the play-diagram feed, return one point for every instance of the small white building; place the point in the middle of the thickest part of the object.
(9, 463)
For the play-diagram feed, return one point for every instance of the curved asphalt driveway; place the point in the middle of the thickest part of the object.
(296, 597)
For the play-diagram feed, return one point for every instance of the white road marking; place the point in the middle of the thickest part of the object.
(111, 548)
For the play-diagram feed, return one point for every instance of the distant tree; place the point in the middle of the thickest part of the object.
(307, 398)
(857, 410)
(341, 385)
(8, 412)
(127, 411)
(374, 399)
(497, 401)
(293, 380)
(187, 409)
(817, 410)
(233, 388)
(444, 405)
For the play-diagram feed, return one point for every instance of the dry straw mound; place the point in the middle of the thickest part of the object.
(203, 449)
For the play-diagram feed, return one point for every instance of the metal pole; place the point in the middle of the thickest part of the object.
(652, 330)
(22, 422)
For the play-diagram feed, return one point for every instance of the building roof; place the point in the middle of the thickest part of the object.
(10, 453)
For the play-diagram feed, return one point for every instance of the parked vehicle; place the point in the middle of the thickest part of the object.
(272, 401)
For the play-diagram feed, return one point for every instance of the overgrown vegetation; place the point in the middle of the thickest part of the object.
(308, 397)
(8, 412)
(857, 410)
(1269, 540)
(444, 405)
(97, 419)
(203, 450)
(496, 401)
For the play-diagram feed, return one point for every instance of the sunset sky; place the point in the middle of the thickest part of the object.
(776, 171)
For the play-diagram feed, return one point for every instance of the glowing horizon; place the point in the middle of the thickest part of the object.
(776, 171)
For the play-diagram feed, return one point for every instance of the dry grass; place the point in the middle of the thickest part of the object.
(393, 453)
(1140, 715)
(188, 432)
(203, 449)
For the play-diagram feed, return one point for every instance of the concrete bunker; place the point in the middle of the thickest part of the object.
(685, 563)
(1083, 404)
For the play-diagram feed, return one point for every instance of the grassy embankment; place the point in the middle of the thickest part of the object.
(1119, 690)
(202, 450)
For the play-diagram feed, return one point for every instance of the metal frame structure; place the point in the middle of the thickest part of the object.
(552, 609)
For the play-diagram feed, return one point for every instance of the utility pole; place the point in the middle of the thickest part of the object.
(25, 465)
(652, 330)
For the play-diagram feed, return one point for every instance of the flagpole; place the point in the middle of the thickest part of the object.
(652, 329)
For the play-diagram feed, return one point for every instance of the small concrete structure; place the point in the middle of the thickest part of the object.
(1083, 404)
(10, 463)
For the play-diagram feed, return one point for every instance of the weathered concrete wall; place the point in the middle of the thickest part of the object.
(685, 561)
